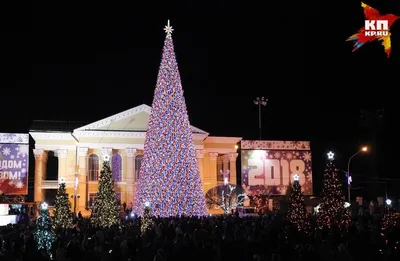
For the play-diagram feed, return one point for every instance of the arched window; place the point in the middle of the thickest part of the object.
(94, 167)
(116, 167)
(138, 164)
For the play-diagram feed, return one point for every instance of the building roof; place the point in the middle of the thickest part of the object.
(56, 126)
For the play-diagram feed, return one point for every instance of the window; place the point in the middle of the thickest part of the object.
(94, 167)
(116, 166)
(138, 164)
(92, 199)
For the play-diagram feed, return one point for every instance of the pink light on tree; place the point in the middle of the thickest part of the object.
(169, 177)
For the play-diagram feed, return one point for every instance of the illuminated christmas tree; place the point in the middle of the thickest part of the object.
(43, 235)
(147, 221)
(297, 214)
(62, 218)
(106, 210)
(332, 210)
(169, 176)
(389, 219)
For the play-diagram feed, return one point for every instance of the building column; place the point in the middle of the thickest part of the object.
(200, 162)
(219, 166)
(62, 165)
(130, 176)
(40, 174)
(82, 180)
(225, 163)
(213, 169)
(232, 165)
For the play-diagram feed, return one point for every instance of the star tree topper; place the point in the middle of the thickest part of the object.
(296, 177)
(331, 155)
(168, 29)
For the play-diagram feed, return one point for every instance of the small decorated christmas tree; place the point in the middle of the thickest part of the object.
(43, 235)
(62, 213)
(147, 221)
(297, 214)
(106, 210)
(389, 219)
(332, 211)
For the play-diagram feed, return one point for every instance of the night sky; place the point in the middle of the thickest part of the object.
(84, 62)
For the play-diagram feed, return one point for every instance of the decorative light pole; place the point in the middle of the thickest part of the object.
(225, 174)
(260, 102)
(349, 179)
(76, 183)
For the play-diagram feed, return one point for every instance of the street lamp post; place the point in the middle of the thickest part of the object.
(76, 196)
(260, 102)
(349, 179)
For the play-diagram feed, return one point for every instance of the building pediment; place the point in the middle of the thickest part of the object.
(131, 123)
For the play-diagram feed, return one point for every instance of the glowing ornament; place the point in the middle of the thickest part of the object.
(168, 29)
(349, 180)
(331, 155)
(44, 205)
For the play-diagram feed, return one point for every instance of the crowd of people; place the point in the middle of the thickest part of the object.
(230, 238)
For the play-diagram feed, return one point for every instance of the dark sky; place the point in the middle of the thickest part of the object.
(83, 62)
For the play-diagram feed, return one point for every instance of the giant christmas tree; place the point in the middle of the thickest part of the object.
(169, 178)
(106, 210)
(297, 214)
(332, 211)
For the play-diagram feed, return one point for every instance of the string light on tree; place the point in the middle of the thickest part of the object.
(389, 219)
(169, 177)
(332, 210)
(146, 221)
(62, 218)
(106, 210)
(297, 214)
(43, 235)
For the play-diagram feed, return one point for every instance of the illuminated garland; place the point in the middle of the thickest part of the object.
(332, 211)
(169, 176)
(297, 214)
(62, 214)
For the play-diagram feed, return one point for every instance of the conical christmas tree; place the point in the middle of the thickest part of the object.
(62, 214)
(43, 235)
(297, 214)
(332, 211)
(106, 211)
(169, 177)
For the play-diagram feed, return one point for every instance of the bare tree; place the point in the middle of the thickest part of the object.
(226, 197)
(259, 195)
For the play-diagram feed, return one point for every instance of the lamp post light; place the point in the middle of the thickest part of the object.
(76, 196)
(260, 102)
(349, 179)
